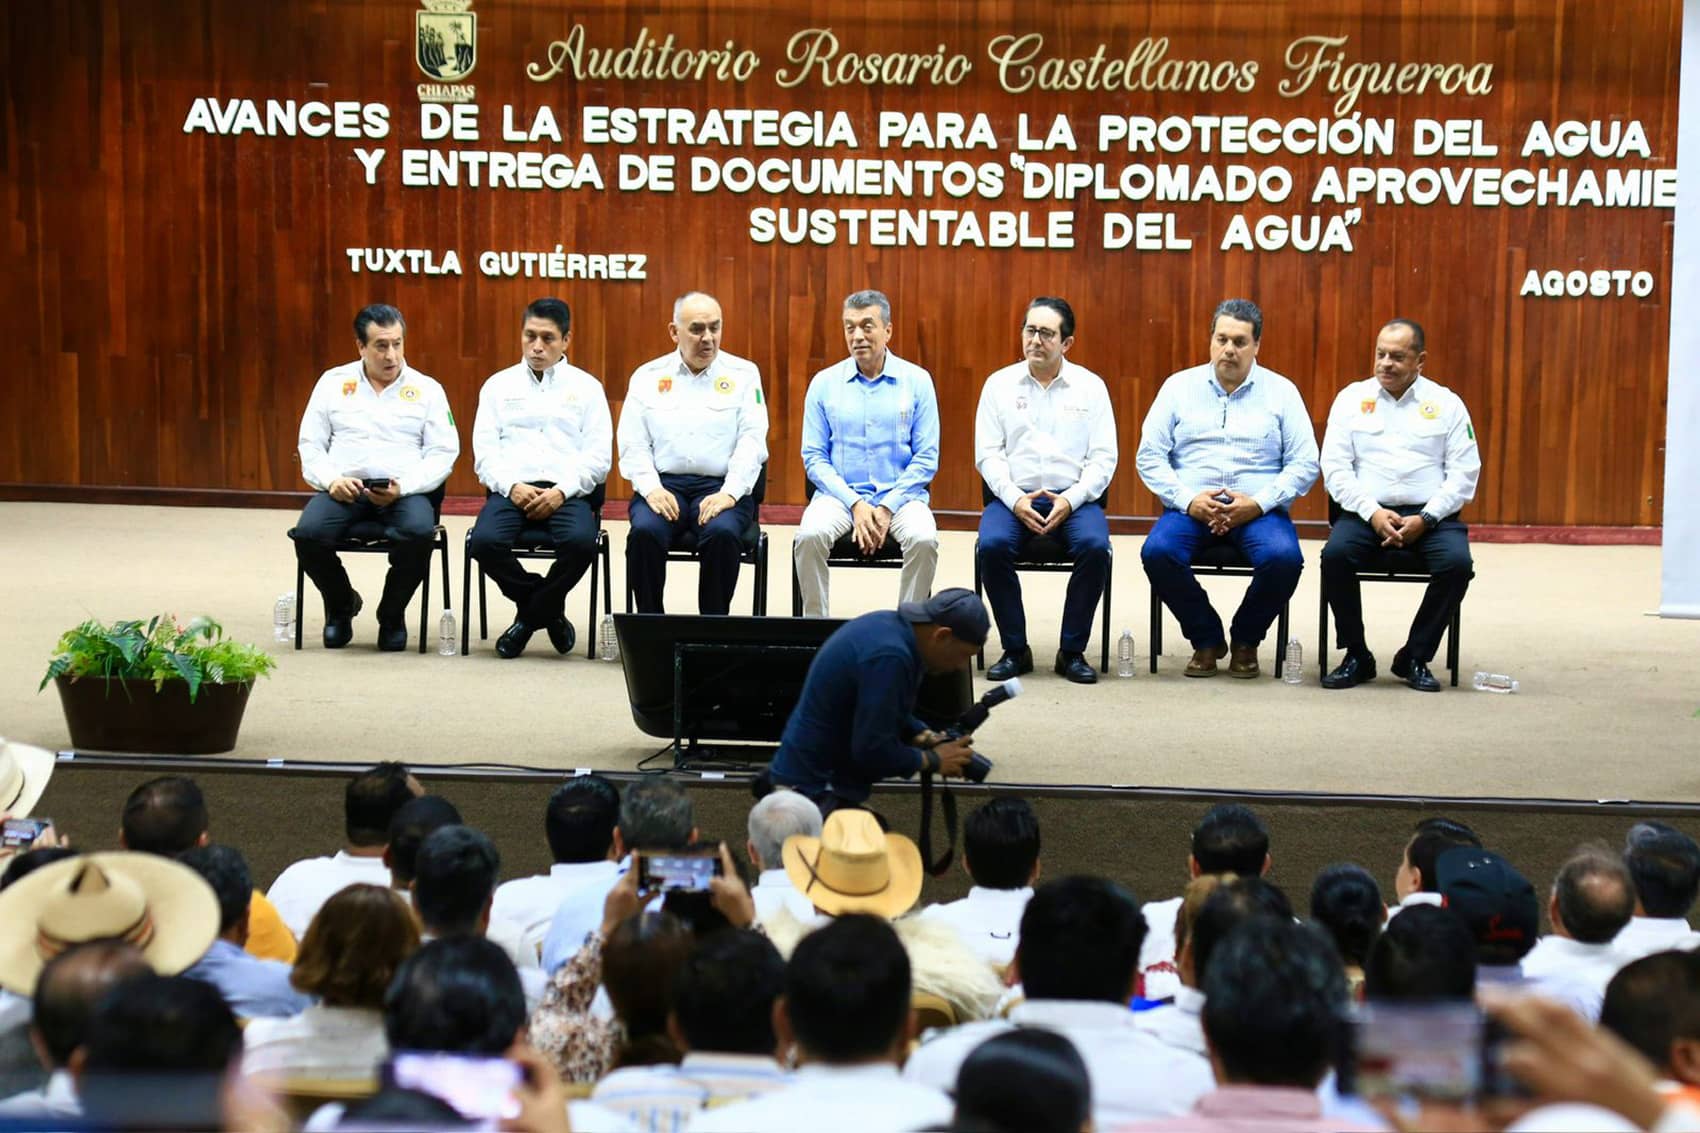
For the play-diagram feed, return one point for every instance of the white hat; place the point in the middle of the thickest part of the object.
(24, 772)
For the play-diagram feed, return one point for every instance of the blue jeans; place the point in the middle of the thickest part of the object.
(1268, 542)
(1084, 535)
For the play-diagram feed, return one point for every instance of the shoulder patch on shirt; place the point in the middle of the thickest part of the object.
(348, 388)
(1429, 409)
(409, 393)
(1470, 430)
(1367, 406)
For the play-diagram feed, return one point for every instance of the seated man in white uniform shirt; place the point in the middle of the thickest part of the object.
(1400, 459)
(542, 442)
(1000, 851)
(1665, 864)
(772, 820)
(377, 441)
(1592, 899)
(579, 824)
(1229, 838)
(692, 439)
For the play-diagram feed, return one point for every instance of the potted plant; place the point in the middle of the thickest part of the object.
(159, 686)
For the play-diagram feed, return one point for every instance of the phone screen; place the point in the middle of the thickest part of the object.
(20, 833)
(479, 1087)
(690, 872)
(1428, 1051)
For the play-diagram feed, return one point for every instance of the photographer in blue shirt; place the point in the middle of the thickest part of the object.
(855, 722)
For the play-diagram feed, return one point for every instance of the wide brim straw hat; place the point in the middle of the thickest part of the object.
(24, 772)
(162, 907)
(855, 867)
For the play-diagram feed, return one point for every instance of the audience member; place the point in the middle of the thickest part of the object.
(168, 816)
(454, 889)
(251, 987)
(413, 822)
(1425, 954)
(579, 825)
(1179, 1021)
(369, 802)
(1029, 1081)
(156, 1054)
(1653, 1004)
(1274, 1001)
(1346, 902)
(655, 815)
(722, 1022)
(1000, 851)
(20, 1068)
(19, 866)
(1497, 905)
(1665, 865)
(773, 820)
(71, 984)
(1416, 882)
(846, 1009)
(1078, 961)
(1592, 899)
(353, 948)
(1230, 838)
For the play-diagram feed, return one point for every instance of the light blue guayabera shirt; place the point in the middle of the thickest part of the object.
(877, 440)
(1257, 440)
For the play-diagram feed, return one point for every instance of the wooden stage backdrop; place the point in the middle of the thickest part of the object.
(182, 186)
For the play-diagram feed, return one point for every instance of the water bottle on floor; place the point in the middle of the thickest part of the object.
(1124, 654)
(283, 618)
(607, 644)
(447, 646)
(1493, 682)
(1293, 663)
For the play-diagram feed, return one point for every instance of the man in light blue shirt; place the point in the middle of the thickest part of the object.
(870, 449)
(1226, 447)
(250, 986)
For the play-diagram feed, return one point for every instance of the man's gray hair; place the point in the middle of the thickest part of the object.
(1240, 310)
(656, 814)
(859, 299)
(679, 303)
(777, 818)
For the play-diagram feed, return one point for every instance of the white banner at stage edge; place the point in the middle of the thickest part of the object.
(1679, 592)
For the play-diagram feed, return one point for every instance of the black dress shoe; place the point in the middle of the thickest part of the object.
(338, 628)
(392, 639)
(1414, 673)
(1353, 671)
(513, 640)
(1074, 667)
(1013, 663)
(561, 635)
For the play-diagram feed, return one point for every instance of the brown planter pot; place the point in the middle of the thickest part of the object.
(129, 715)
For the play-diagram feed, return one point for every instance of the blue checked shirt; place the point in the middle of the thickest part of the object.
(1257, 440)
(873, 441)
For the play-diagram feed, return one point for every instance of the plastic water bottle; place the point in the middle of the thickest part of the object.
(283, 618)
(1293, 663)
(607, 643)
(1493, 682)
(1124, 654)
(447, 645)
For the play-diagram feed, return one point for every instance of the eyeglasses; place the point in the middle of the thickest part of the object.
(1043, 334)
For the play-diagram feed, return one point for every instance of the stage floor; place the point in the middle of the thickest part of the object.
(1609, 706)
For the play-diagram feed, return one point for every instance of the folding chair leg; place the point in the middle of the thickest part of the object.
(980, 657)
(1281, 641)
(1322, 638)
(424, 606)
(466, 602)
(1155, 637)
(1109, 585)
(300, 614)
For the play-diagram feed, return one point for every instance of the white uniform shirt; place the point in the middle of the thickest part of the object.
(684, 424)
(1162, 980)
(988, 920)
(1573, 972)
(1418, 449)
(829, 1099)
(1060, 437)
(527, 905)
(303, 888)
(1180, 1024)
(405, 433)
(1643, 936)
(554, 429)
(774, 891)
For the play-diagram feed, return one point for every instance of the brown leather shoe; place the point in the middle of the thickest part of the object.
(1203, 663)
(1243, 663)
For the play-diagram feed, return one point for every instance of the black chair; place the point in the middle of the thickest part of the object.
(754, 552)
(366, 537)
(1390, 565)
(1219, 558)
(534, 543)
(844, 553)
(1044, 554)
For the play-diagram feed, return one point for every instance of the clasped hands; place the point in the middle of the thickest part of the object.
(1222, 517)
(1397, 530)
(1044, 524)
(535, 502)
(666, 505)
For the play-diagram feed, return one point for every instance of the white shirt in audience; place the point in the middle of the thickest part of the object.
(664, 1099)
(58, 1098)
(1180, 1024)
(988, 920)
(302, 889)
(1573, 972)
(580, 912)
(774, 891)
(1134, 1074)
(1643, 936)
(1157, 954)
(321, 1042)
(526, 905)
(834, 1099)
(582, 1117)
(1420, 897)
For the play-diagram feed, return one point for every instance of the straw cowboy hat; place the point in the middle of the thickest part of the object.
(24, 772)
(855, 867)
(162, 907)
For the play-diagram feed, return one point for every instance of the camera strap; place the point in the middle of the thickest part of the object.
(947, 803)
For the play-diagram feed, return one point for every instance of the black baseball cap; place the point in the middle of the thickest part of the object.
(1496, 901)
(957, 609)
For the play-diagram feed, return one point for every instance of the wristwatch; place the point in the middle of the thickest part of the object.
(1430, 521)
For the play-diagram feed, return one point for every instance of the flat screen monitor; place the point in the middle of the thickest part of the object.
(740, 677)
